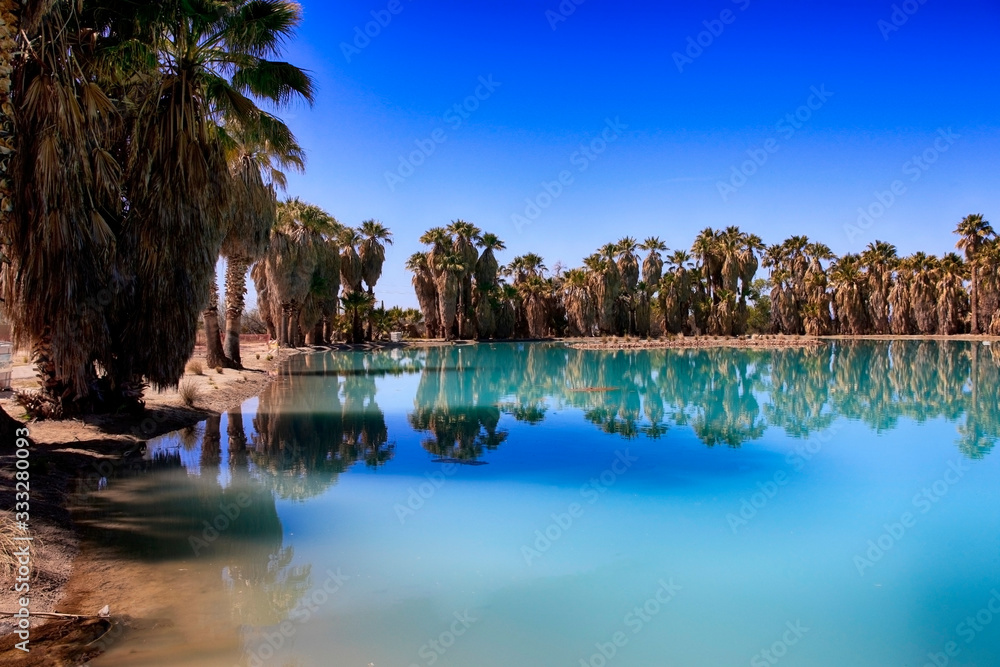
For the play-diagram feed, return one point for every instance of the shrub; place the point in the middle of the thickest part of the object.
(195, 367)
(189, 392)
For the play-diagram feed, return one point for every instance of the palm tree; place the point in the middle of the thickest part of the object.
(350, 260)
(258, 163)
(628, 263)
(848, 301)
(652, 266)
(144, 189)
(924, 292)
(506, 320)
(298, 274)
(534, 292)
(487, 267)
(450, 269)
(466, 237)
(952, 299)
(879, 261)
(974, 232)
(427, 297)
(356, 304)
(211, 64)
(372, 251)
(901, 322)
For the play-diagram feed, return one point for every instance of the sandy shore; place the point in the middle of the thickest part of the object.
(73, 577)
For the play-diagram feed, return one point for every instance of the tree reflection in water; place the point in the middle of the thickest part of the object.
(725, 396)
(317, 421)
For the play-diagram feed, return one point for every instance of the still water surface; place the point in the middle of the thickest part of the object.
(535, 505)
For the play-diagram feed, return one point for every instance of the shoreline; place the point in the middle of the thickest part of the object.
(72, 456)
(76, 577)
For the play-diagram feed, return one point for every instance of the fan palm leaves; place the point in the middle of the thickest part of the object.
(375, 237)
(487, 267)
(974, 232)
(652, 265)
(258, 157)
(426, 290)
(139, 96)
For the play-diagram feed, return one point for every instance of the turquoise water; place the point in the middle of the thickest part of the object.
(536, 505)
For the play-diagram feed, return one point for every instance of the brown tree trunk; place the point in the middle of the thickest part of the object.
(236, 289)
(975, 300)
(9, 432)
(214, 356)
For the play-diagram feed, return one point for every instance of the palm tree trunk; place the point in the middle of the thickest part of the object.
(975, 299)
(236, 289)
(214, 356)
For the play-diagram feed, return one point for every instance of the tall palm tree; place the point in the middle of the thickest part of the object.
(144, 189)
(450, 269)
(487, 267)
(258, 162)
(848, 301)
(952, 302)
(924, 292)
(356, 304)
(213, 60)
(974, 232)
(350, 260)
(466, 236)
(300, 270)
(579, 305)
(427, 297)
(372, 251)
(652, 266)
(534, 292)
(628, 263)
(506, 319)
(879, 260)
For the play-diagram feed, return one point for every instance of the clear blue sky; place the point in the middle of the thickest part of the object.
(892, 90)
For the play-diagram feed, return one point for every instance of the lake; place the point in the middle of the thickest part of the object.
(538, 505)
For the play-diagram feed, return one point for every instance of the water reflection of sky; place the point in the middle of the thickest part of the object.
(853, 431)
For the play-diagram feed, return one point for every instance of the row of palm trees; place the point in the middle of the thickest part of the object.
(311, 266)
(710, 289)
(136, 149)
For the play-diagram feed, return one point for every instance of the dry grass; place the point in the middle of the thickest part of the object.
(195, 367)
(8, 531)
(189, 392)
